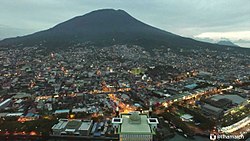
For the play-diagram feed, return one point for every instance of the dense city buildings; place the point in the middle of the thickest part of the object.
(86, 91)
(107, 76)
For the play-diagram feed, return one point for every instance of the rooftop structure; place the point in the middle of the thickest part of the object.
(191, 86)
(21, 95)
(135, 126)
(14, 114)
(212, 111)
(72, 127)
(79, 110)
(234, 98)
(186, 117)
(62, 111)
(135, 123)
(212, 108)
(5, 103)
(223, 103)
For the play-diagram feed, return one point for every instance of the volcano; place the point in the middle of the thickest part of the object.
(105, 27)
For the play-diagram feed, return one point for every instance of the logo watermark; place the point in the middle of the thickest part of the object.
(214, 137)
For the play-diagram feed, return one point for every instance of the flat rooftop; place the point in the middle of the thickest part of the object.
(4, 102)
(134, 128)
(234, 98)
(59, 125)
(73, 124)
(62, 111)
(14, 114)
(215, 109)
(85, 125)
(187, 116)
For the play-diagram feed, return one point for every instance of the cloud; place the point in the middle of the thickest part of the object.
(233, 36)
(240, 37)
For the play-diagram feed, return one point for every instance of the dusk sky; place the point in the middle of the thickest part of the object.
(209, 20)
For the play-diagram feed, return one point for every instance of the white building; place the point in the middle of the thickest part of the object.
(135, 127)
(72, 127)
(186, 117)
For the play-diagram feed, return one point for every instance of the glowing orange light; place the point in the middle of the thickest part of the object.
(33, 133)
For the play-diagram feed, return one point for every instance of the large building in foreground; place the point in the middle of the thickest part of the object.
(72, 127)
(135, 127)
(219, 105)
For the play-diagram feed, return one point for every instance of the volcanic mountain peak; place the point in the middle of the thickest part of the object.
(101, 27)
(105, 27)
(103, 17)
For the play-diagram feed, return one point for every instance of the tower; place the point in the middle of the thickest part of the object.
(150, 109)
(117, 111)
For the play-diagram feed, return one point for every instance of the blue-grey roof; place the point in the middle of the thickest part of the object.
(236, 99)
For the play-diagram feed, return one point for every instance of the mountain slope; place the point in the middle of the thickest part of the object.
(103, 28)
(227, 43)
